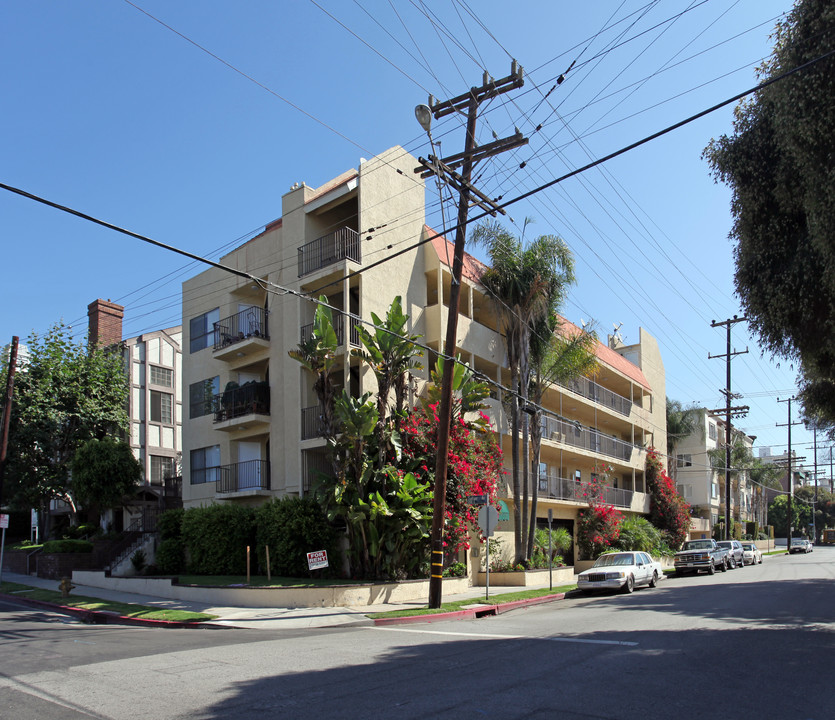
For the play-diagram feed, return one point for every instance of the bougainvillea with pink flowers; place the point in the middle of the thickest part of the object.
(668, 510)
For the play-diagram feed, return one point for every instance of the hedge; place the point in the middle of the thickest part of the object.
(216, 538)
(67, 546)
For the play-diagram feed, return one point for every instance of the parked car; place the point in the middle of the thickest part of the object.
(751, 554)
(736, 556)
(620, 571)
(800, 545)
(701, 555)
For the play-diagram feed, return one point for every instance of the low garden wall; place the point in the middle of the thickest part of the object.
(288, 597)
(527, 578)
(57, 565)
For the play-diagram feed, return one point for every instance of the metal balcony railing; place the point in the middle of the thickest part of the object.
(312, 422)
(249, 398)
(247, 475)
(339, 329)
(339, 245)
(600, 395)
(248, 323)
(558, 488)
(586, 438)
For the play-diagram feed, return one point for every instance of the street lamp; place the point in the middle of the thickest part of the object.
(424, 116)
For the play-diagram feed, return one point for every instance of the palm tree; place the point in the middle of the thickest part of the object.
(527, 283)
(681, 422)
(741, 460)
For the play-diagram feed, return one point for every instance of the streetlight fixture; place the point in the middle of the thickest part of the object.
(424, 116)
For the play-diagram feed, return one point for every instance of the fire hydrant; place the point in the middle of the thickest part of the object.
(65, 586)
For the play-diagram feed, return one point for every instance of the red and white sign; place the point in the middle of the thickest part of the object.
(318, 559)
(4, 521)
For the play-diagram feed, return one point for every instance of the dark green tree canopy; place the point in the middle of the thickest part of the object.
(780, 164)
(103, 472)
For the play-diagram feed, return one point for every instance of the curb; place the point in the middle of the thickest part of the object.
(471, 614)
(104, 617)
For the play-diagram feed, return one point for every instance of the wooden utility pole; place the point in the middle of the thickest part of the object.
(7, 413)
(730, 413)
(790, 471)
(446, 170)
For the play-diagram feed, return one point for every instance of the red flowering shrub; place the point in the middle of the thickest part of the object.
(668, 510)
(474, 468)
(598, 529)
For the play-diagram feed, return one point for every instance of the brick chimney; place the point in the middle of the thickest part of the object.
(105, 322)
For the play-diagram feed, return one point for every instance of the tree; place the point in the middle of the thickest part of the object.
(527, 282)
(778, 163)
(103, 473)
(65, 394)
(778, 512)
(741, 459)
(681, 422)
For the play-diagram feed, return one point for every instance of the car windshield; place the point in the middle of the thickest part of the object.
(615, 559)
(798, 541)
(698, 545)
(725, 544)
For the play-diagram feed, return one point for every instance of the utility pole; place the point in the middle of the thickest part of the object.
(730, 413)
(815, 507)
(7, 413)
(790, 471)
(446, 170)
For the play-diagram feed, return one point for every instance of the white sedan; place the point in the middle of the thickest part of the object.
(751, 554)
(620, 571)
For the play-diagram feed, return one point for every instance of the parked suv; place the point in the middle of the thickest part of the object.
(736, 555)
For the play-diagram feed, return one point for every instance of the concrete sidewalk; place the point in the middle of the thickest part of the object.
(273, 618)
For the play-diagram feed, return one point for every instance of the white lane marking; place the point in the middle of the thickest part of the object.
(492, 636)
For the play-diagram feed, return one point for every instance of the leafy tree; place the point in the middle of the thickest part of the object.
(778, 512)
(668, 510)
(824, 509)
(103, 473)
(681, 422)
(65, 394)
(741, 459)
(778, 163)
(527, 282)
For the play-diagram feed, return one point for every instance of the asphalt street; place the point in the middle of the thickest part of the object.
(755, 642)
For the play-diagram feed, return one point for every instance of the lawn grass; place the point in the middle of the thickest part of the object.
(259, 581)
(89, 603)
(457, 605)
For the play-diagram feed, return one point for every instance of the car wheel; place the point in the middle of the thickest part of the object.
(732, 563)
(724, 566)
(712, 569)
(761, 559)
(654, 582)
(629, 585)
(741, 563)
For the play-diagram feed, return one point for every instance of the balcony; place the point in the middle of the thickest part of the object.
(339, 329)
(586, 438)
(311, 422)
(242, 408)
(557, 488)
(242, 334)
(247, 477)
(600, 395)
(343, 244)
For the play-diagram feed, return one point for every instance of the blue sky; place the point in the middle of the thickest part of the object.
(159, 130)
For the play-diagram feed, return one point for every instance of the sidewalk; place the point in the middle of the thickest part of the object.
(268, 618)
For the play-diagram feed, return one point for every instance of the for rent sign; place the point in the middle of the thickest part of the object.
(318, 559)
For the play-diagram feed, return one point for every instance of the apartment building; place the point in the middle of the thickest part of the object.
(251, 431)
(153, 363)
(703, 486)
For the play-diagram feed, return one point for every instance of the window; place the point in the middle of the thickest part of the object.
(686, 491)
(714, 490)
(711, 431)
(162, 376)
(162, 406)
(201, 397)
(202, 330)
(684, 460)
(161, 468)
(205, 464)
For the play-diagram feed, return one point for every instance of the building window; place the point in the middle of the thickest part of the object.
(714, 490)
(202, 330)
(162, 376)
(161, 468)
(201, 397)
(205, 465)
(684, 460)
(686, 491)
(711, 431)
(714, 519)
(162, 407)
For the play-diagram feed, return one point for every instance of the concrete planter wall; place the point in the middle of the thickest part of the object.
(323, 596)
(57, 565)
(527, 578)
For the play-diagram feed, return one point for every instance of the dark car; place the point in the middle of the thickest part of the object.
(736, 555)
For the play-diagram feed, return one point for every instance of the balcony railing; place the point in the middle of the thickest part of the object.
(600, 395)
(248, 323)
(312, 426)
(339, 329)
(329, 249)
(247, 475)
(314, 466)
(250, 398)
(557, 488)
(586, 438)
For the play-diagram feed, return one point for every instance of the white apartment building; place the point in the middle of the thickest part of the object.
(251, 428)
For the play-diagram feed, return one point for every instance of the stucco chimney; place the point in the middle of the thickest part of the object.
(105, 322)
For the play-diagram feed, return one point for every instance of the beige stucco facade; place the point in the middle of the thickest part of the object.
(328, 241)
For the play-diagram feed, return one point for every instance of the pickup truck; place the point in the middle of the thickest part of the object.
(701, 555)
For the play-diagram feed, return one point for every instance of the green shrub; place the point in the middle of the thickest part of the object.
(753, 529)
(68, 546)
(76, 532)
(138, 560)
(293, 527)
(638, 533)
(216, 538)
(170, 524)
(456, 569)
(170, 558)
